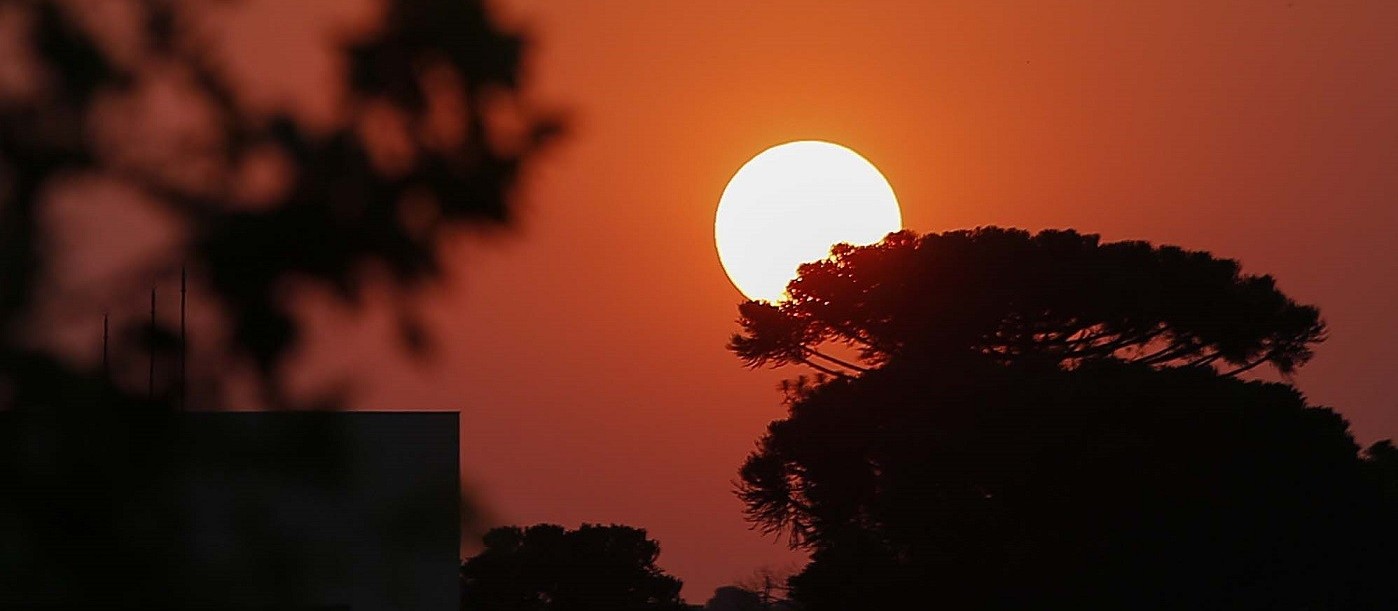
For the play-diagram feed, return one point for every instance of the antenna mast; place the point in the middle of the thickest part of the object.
(106, 363)
(184, 282)
(150, 383)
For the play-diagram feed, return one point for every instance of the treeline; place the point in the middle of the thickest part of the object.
(1012, 420)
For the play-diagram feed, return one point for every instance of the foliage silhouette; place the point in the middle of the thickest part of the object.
(1036, 422)
(734, 598)
(417, 147)
(429, 133)
(1056, 297)
(546, 567)
(764, 590)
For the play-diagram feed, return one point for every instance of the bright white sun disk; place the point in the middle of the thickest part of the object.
(790, 204)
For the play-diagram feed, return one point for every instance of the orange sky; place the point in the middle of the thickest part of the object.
(585, 348)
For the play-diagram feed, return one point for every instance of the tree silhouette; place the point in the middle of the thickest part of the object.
(1041, 421)
(548, 568)
(764, 589)
(735, 598)
(769, 584)
(1058, 297)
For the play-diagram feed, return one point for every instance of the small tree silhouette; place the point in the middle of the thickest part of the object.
(546, 567)
(764, 589)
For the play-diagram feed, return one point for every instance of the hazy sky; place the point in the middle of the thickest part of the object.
(584, 348)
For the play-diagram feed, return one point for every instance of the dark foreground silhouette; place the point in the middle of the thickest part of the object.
(141, 99)
(1046, 421)
(360, 199)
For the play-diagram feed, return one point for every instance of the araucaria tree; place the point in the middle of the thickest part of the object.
(1013, 420)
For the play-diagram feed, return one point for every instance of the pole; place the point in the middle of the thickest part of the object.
(184, 284)
(150, 382)
(106, 362)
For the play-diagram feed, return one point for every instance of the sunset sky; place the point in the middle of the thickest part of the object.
(584, 346)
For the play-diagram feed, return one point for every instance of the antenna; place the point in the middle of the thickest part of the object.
(150, 384)
(106, 363)
(184, 283)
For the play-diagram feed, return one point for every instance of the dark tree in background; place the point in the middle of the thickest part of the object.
(546, 567)
(1048, 421)
(138, 101)
(734, 598)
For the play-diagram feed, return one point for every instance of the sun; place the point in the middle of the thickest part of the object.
(790, 204)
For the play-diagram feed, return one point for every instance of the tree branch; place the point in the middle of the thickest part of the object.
(823, 369)
(837, 361)
(1249, 366)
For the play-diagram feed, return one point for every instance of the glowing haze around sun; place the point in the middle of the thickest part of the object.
(790, 204)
